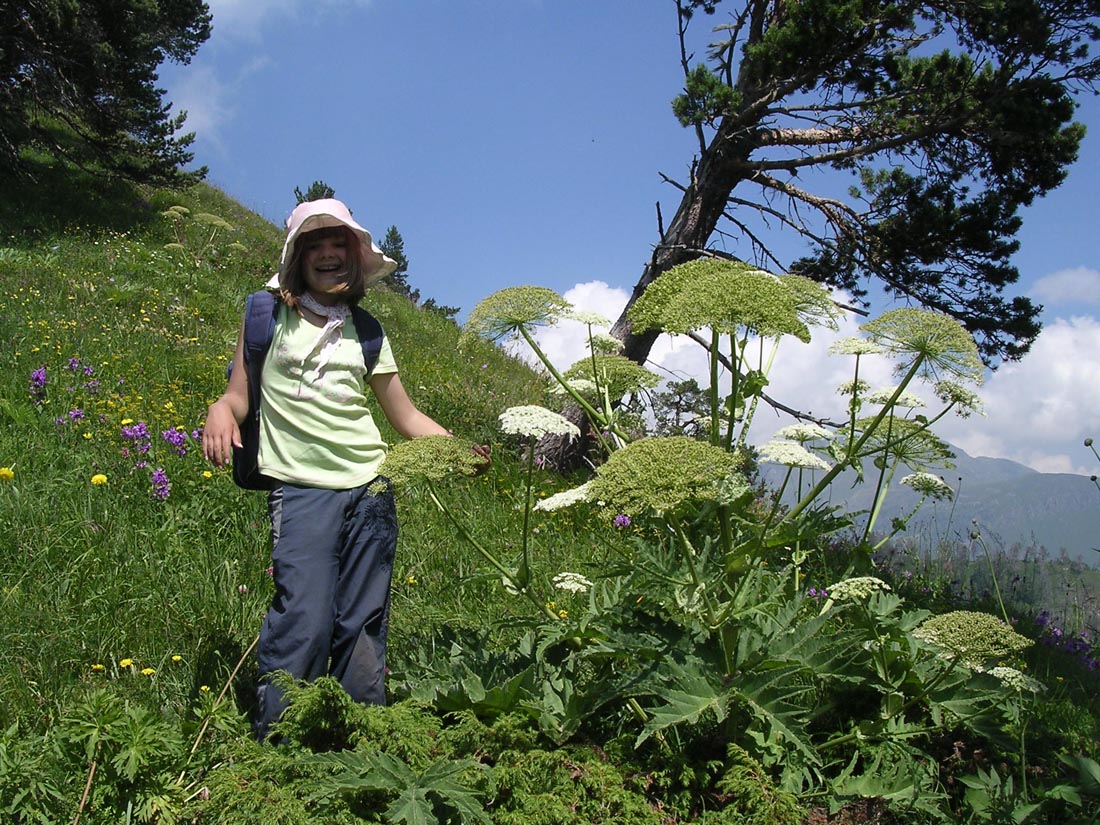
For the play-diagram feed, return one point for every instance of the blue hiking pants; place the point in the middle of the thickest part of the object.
(333, 560)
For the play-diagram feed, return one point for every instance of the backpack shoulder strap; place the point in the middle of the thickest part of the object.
(260, 311)
(370, 336)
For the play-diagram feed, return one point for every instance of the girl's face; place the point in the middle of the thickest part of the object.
(325, 264)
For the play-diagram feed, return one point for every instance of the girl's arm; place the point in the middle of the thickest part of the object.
(222, 429)
(399, 408)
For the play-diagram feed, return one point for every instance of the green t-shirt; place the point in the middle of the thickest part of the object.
(316, 429)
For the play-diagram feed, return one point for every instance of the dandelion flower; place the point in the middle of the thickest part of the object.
(98, 668)
(792, 455)
(207, 474)
(536, 421)
(147, 671)
(99, 479)
(125, 662)
(177, 658)
(204, 688)
(929, 485)
(7, 474)
(566, 498)
(571, 582)
(410, 579)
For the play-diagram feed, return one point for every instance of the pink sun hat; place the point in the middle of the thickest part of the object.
(321, 214)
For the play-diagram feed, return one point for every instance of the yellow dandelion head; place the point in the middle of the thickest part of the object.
(99, 479)
(148, 671)
(177, 658)
(7, 474)
(98, 668)
(125, 662)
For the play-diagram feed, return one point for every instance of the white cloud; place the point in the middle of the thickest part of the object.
(1079, 286)
(1038, 411)
(208, 94)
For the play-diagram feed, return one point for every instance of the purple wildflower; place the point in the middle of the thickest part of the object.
(177, 439)
(812, 592)
(89, 371)
(38, 386)
(622, 520)
(76, 414)
(74, 364)
(161, 485)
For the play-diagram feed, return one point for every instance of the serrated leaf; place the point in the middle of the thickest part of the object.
(693, 697)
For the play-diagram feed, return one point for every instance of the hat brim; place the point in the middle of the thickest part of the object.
(376, 264)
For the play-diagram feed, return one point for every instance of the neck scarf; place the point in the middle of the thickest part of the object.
(329, 336)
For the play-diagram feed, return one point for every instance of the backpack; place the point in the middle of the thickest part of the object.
(260, 311)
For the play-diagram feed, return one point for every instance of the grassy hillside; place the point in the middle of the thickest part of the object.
(678, 673)
(132, 317)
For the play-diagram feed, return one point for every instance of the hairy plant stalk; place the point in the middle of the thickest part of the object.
(853, 449)
(520, 587)
(217, 702)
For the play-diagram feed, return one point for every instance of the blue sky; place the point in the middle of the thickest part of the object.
(521, 142)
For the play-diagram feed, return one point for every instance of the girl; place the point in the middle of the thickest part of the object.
(333, 519)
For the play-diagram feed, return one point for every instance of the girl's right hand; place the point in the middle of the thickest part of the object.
(220, 434)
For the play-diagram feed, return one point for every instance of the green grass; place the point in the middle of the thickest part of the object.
(123, 614)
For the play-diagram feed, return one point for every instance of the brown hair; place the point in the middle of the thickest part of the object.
(293, 283)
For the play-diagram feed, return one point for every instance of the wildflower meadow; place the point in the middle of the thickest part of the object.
(653, 639)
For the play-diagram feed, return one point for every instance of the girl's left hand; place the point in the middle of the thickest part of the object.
(483, 451)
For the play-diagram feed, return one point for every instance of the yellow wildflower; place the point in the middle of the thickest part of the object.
(148, 671)
(563, 614)
(98, 668)
(87, 436)
(125, 662)
(207, 474)
(410, 579)
(177, 658)
(99, 479)
(127, 421)
(6, 474)
(204, 689)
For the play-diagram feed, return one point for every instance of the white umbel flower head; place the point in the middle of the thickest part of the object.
(536, 421)
(858, 589)
(929, 485)
(571, 582)
(884, 394)
(803, 433)
(566, 498)
(855, 346)
(792, 455)
(1013, 678)
(591, 318)
(581, 386)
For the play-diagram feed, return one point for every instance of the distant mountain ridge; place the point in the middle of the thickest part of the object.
(1007, 502)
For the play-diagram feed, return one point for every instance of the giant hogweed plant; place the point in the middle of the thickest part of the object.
(837, 694)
